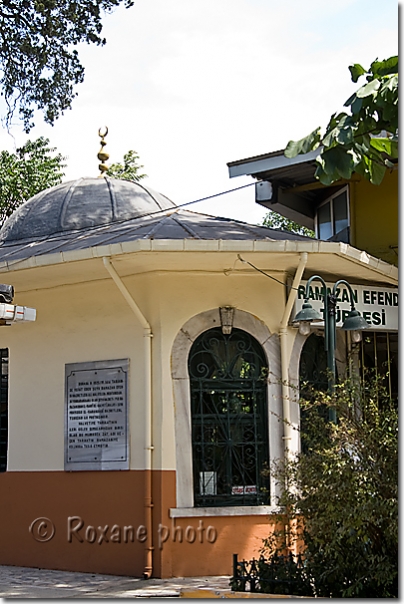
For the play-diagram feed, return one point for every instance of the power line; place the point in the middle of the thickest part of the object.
(263, 272)
(270, 276)
(188, 203)
(149, 214)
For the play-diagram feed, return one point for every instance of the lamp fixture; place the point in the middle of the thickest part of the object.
(356, 336)
(353, 323)
(304, 328)
(6, 293)
(305, 316)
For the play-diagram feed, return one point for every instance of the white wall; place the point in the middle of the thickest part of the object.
(93, 322)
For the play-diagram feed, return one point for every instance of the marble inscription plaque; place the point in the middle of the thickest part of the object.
(96, 415)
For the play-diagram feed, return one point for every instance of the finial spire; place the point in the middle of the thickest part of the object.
(102, 155)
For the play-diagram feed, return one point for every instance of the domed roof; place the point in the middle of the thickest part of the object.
(82, 204)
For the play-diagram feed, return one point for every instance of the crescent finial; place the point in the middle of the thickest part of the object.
(102, 155)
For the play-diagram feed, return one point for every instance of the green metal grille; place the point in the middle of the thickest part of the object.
(313, 378)
(313, 366)
(3, 409)
(228, 375)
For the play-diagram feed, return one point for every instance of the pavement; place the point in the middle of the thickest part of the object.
(21, 582)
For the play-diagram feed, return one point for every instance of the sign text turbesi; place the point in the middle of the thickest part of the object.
(377, 305)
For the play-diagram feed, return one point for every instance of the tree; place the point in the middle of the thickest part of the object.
(31, 169)
(39, 66)
(365, 140)
(273, 220)
(344, 486)
(129, 169)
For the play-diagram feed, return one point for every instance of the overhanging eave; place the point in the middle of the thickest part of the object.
(192, 256)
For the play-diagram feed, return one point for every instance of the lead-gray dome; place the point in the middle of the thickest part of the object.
(82, 204)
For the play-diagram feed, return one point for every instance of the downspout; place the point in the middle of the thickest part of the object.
(147, 336)
(283, 331)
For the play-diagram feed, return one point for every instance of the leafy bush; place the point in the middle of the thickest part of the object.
(341, 492)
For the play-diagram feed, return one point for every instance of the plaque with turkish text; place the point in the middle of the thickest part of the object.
(96, 415)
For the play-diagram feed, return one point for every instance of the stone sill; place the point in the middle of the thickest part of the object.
(242, 510)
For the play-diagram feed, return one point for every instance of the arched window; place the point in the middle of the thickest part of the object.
(228, 379)
(313, 377)
(313, 365)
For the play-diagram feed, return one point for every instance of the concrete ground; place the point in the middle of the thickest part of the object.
(21, 582)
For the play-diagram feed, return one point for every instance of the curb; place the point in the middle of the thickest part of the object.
(226, 593)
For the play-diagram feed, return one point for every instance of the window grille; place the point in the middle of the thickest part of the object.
(313, 378)
(228, 377)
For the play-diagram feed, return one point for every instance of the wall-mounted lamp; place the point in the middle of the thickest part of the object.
(226, 319)
(6, 293)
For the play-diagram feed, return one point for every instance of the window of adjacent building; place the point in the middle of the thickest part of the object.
(228, 378)
(3, 409)
(332, 220)
(379, 355)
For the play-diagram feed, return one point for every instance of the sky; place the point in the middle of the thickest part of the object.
(191, 85)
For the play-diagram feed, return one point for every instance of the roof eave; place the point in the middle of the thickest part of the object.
(267, 162)
(383, 269)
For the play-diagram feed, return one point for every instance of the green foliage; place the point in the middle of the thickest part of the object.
(365, 140)
(31, 169)
(304, 145)
(273, 220)
(39, 66)
(129, 169)
(345, 487)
